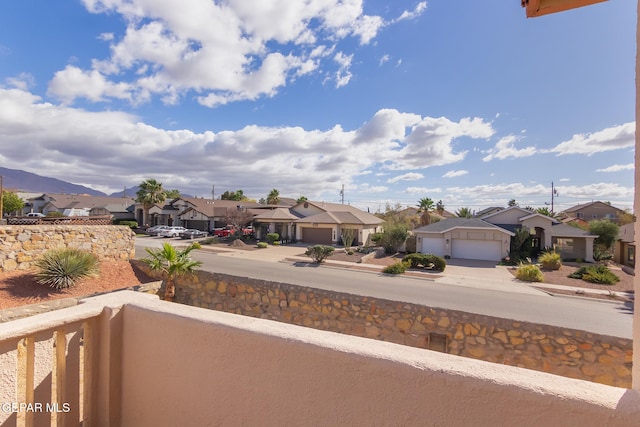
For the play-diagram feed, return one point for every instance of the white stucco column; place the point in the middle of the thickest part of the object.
(589, 250)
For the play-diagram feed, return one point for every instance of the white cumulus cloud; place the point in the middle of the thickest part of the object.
(613, 138)
(505, 149)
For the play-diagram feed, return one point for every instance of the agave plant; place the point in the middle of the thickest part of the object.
(171, 263)
(62, 268)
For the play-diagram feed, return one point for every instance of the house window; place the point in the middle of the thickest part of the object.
(579, 215)
(631, 255)
(564, 245)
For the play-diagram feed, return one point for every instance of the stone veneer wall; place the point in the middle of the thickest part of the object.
(20, 245)
(568, 352)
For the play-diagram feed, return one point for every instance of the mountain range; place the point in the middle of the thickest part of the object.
(19, 180)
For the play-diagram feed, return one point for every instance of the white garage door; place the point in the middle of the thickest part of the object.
(433, 245)
(488, 250)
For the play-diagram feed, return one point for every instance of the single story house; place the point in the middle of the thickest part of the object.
(318, 222)
(489, 238)
(120, 208)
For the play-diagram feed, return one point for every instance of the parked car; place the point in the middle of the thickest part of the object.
(35, 214)
(156, 229)
(192, 233)
(230, 230)
(172, 231)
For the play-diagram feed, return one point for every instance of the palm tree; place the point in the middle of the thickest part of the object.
(150, 192)
(274, 197)
(171, 263)
(440, 207)
(426, 206)
(463, 213)
(545, 211)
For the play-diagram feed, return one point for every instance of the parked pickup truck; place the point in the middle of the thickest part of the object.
(230, 230)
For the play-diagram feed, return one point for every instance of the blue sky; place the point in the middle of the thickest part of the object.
(466, 102)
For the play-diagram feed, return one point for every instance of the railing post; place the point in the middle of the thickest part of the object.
(26, 363)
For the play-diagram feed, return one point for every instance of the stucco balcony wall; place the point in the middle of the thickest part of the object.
(163, 364)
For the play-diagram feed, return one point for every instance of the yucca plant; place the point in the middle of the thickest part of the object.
(62, 268)
(171, 263)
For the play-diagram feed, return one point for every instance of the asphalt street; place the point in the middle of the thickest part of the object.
(598, 316)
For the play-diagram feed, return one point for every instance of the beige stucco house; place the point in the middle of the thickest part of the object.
(318, 222)
(489, 238)
(593, 211)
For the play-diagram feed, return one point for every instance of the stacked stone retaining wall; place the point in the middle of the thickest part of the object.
(20, 245)
(568, 352)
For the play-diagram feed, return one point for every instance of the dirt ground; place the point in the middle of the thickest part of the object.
(20, 287)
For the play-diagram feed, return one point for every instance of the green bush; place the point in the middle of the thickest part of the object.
(130, 224)
(318, 253)
(397, 268)
(550, 260)
(62, 268)
(276, 243)
(272, 237)
(209, 241)
(426, 261)
(54, 214)
(595, 274)
(262, 245)
(196, 245)
(529, 273)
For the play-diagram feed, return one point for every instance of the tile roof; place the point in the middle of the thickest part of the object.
(451, 223)
(80, 201)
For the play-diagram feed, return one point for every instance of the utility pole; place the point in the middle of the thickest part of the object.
(554, 194)
(342, 195)
(213, 192)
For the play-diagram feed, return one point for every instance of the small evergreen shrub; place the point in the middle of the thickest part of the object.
(550, 260)
(209, 241)
(130, 224)
(529, 273)
(595, 274)
(318, 253)
(272, 237)
(55, 214)
(196, 245)
(397, 268)
(276, 243)
(430, 261)
(62, 268)
(262, 245)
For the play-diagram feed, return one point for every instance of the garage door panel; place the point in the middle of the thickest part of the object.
(488, 250)
(432, 245)
(316, 235)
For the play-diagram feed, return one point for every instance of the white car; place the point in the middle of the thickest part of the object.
(156, 229)
(35, 214)
(172, 232)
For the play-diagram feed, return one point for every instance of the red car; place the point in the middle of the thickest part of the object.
(230, 230)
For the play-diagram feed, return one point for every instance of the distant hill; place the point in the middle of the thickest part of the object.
(30, 182)
(128, 192)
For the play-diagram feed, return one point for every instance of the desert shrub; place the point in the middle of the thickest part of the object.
(196, 245)
(397, 268)
(54, 214)
(595, 274)
(376, 238)
(349, 252)
(529, 273)
(276, 243)
(318, 253)
(209, 241)
(550, 260)
(365, 249)
(130, 224)
(426, 261)
(272, 237)
(262, 245)
(62, 268)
